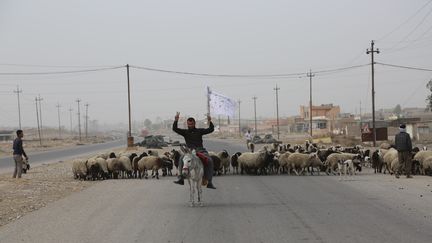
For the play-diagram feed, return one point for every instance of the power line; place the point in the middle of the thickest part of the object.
(286, 75)
(63, 72)
(406, 21)
(215, 75)
(412, 31)
(406, 67)
(340, 69)
(283, 75)
(56, 66)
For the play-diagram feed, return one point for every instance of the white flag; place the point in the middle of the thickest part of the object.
(221, 105)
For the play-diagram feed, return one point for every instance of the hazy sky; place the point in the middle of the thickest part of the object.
(217, 37)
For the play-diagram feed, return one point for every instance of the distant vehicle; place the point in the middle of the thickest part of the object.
(268, 138)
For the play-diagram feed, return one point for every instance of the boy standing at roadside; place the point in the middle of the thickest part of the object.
(18, 153)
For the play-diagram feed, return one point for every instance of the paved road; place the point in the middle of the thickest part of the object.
(37, 158)
(242, 209)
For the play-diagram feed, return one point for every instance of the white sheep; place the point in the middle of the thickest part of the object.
(299, 161)
(79, 169)
(153, 163)
(421, 156)
(104, 167)
(93, 168)
(427, 165)
(332, 160)
(389, 156)
(254, 162)
(114, 167)
(127, 166)
(283, 162)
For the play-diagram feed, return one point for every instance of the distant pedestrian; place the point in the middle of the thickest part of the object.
(18, 153)
(248, 137)
(404, 148)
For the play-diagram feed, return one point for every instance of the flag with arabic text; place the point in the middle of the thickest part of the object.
(221, 104)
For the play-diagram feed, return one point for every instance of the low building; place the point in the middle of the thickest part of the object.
(6, 135)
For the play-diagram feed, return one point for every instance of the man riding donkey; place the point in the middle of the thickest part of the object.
(193, 139)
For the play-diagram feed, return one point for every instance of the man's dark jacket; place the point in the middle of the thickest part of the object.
(403, 142)
(193, 137)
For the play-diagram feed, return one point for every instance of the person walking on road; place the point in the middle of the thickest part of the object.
(18, 153)
(404, 148)
(248, 137)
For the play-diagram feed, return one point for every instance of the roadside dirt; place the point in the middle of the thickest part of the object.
(40, 186)
(48, 144)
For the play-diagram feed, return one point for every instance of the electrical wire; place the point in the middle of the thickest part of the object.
(406, 67)
(286, 75)
(411, 32)
(56, 66)
(216, 75)
(63, 72)
(406, 21)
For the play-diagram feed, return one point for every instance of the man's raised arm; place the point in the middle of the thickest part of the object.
(210, 129)
(175, 125)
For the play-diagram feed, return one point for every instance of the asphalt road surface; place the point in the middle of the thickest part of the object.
(277, 208)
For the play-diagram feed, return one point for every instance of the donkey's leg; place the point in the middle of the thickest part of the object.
(199, 189)
(190, 193)
(193, 193)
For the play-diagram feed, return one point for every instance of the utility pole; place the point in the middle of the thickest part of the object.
(277, 110)
(130, 138)
(310, 75)
(70, 117)
(240, 133)
(361, 122)
(255, 98)
(58, 115)
(86, 122)
(40, 115)
(18, 91)
(37, 118)
(372, 51)
(79, 119)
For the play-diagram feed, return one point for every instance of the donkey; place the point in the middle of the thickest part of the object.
(193, 171)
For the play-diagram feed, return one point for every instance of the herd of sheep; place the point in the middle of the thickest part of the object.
(279, 159)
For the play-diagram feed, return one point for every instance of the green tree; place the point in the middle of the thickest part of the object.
(147, 123)
(429, 97)
(397, 110)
